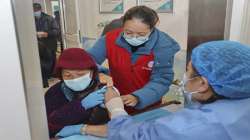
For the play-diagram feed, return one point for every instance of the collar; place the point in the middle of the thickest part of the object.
(68, 93)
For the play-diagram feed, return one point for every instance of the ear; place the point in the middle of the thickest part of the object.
(204, 86)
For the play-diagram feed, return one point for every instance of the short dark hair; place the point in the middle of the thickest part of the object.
(37, 6)
(144, 13)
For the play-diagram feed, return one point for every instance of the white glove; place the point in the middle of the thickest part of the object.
(115, 107)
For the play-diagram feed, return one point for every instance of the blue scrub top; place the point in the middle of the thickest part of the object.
(221, 120)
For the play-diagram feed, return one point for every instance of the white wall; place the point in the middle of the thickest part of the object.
(176, 24)
(22, 106)
(31, 71)
(240, 21)
(14, 124)
(245, 27)
(236, 19)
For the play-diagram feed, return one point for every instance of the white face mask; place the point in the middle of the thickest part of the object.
(136, 41)
(188, 100)
(37, 14)
(80, 83)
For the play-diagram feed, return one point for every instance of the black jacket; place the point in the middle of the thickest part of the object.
(47, 23)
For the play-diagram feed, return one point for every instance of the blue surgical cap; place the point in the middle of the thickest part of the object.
(226, 66)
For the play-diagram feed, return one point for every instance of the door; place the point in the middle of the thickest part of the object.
(206, 22)
(71, 31)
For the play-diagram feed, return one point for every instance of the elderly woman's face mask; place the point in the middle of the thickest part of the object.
(77, 80)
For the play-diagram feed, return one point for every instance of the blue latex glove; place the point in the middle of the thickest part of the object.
(93, 99)
(70, 130)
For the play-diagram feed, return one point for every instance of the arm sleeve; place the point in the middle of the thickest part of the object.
(161, 77)
(98, 51)
(181, 126)
(70, 113)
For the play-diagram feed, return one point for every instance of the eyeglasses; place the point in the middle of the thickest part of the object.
(131, 35)
(185, 79)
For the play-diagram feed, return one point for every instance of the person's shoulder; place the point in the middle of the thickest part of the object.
(54, 89)
(165, 42)
(46, 16)
(116, 31)
(164, 38)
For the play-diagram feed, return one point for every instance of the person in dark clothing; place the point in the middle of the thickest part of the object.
(47, 31)
(77, 98)
(45, 62)
(58, 20)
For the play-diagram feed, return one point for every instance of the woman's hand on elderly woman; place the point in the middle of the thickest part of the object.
(130, 100)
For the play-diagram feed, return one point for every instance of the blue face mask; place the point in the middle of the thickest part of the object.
(136, 41)
(37, 14)
(188, 100)
(79, 84)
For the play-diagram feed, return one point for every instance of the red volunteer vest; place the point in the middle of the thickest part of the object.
(127, 77)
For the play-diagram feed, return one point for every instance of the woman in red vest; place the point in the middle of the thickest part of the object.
(140, 58)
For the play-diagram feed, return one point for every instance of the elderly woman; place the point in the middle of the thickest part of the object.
(216, 85)
(76, 100)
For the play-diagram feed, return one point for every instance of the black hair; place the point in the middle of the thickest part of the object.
(145, 14)
(214, 97)
(37, 6)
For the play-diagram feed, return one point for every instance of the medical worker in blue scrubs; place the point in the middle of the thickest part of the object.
(217, 84)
